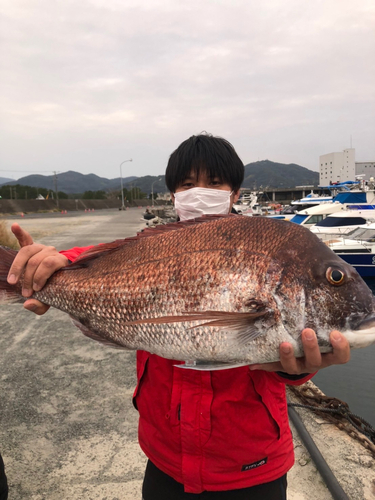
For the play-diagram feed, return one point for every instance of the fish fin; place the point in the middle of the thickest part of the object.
(95, 252)
(95, 336)
(8, 293)
(239, 327)
(105, 248)
(209, 365)
(172, 226)
(221, 319)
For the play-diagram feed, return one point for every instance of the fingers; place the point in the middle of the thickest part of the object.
(290, 364)
(39, 268)
(20, 261)
(23, 237)
(341, 350)
(36, 307)
(313, 357)
(341, 347)
(23, 260)
(313, 360)
(36, 263)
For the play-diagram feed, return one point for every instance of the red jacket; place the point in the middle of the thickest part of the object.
(218, 430)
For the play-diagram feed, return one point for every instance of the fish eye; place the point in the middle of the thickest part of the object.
(335, 276)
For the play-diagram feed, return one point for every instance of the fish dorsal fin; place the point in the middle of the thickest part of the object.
(105, 248)
(173, 226)
(95, 252)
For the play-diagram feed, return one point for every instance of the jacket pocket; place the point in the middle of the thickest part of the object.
(175, 405)
(273, 398)
(142, 360)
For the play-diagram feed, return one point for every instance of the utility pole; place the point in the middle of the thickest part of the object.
(55, 182)
(122, 189)
(152, 191)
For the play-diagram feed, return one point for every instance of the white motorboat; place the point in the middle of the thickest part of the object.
(343, 222)
(358, 249)
(359, 201)
(311, 200)
(344, 192)
(247, 204)
(311, 216)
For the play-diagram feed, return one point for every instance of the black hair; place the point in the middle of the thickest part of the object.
(205, 153)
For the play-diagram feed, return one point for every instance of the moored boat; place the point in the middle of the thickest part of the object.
(343, 222)
(358, 249)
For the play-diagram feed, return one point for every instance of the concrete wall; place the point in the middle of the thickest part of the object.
(26, 206)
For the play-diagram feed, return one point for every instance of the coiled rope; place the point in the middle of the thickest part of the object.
(336, 411)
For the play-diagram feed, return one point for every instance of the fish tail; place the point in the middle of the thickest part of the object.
(8, 293)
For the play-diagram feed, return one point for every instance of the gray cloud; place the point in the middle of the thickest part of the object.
(88, 84)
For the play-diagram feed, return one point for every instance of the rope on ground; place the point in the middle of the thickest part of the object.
(335, 411)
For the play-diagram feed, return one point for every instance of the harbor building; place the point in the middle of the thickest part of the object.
(341, 167)
(366, 168)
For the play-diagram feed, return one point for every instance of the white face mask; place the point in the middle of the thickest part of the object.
(196, 202)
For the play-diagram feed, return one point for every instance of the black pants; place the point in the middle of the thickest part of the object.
(3, 481)
(160, 486)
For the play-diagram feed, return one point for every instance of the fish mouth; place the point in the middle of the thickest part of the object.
(367, 323)
(362, 333)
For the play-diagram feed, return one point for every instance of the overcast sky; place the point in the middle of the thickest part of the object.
(88, 84)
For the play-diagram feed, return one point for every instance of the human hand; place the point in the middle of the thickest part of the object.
(38, 263)
(313, 359)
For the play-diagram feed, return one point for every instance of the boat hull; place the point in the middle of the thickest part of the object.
(364, 263)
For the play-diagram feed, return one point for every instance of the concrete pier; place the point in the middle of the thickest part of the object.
(68, 429)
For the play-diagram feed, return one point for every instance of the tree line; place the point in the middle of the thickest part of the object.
(20, 192)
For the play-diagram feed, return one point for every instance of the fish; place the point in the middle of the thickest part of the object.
(215, 292)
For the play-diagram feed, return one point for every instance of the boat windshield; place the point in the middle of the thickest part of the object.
(341, 221)
(298, 219)
(362, 234)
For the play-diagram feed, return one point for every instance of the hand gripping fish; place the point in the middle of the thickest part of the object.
(219, 290)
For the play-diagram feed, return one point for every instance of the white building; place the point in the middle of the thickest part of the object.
(340, 167)
(337, 167)
(366, 168)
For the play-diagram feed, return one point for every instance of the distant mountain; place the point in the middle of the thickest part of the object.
(269, 174)
(264, 173)
(147, 182)
(3, 180)
(72, 182)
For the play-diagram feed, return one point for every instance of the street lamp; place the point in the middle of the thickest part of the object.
(152, 191)
(122, 190)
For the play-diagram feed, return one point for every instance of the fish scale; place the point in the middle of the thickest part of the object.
(220, 289)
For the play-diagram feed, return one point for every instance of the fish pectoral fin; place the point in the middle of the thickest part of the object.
(209, 365)
(211, 318)
(239, 327)
(95, 336)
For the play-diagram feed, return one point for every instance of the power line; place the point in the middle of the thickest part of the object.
(12, 170)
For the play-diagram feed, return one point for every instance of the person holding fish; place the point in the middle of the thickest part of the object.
(217, 430)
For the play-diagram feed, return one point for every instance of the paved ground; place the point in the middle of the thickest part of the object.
(68, 429)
